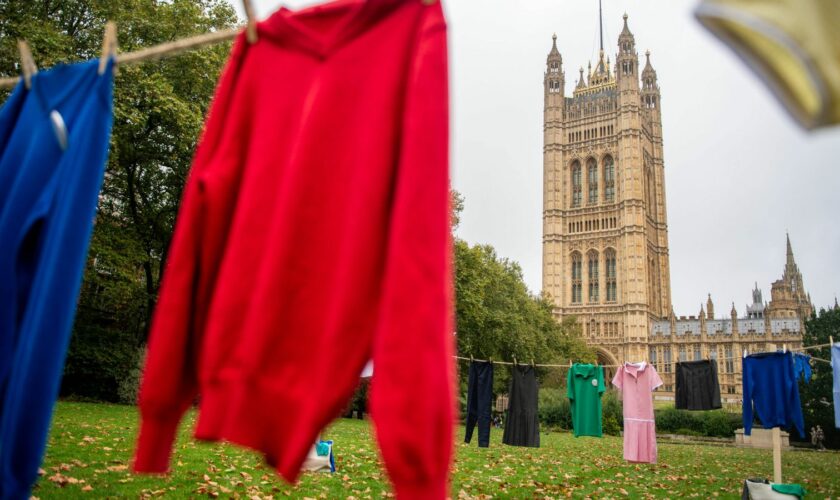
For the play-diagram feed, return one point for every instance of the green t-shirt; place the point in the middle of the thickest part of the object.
(585, 386)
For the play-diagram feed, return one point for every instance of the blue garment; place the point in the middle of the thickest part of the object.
(835, 368)
(801, 366)
(479, 401)
(53, 146)
(770, 385)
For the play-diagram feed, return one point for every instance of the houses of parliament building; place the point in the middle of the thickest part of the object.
(605, 231)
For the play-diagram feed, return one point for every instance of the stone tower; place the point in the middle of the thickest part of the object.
(605, 233)
(788, 298)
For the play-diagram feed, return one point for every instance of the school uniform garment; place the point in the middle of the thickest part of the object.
(522, 426)
(479, 399)
(636, 381)
(697, 386)
(53, 146)
(793, 47)
(770, 387)
(585, 384)
(314, 231)
(835, 369)
(802, 367)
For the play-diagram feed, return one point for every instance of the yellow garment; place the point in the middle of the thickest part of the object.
(794, 45)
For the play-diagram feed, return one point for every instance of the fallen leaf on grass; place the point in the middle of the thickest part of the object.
(62, 480)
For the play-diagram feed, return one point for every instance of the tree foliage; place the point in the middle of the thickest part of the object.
(159, 109)
(816, 396)
(498, 318)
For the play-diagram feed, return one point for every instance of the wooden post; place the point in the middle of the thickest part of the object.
(777, 455)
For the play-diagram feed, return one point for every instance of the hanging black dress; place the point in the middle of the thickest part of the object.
(522, 427)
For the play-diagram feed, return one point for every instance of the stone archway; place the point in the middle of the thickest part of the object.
(607, 359)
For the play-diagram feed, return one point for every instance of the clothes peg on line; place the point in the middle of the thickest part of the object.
(745, 353)
(251, 28)
(109, 45)
(514, 361)
(830, 341)
(784, 348)
(27, 64)
(533, 365)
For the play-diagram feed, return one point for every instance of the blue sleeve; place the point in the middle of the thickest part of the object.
(44, 332)
(747, 387)
(795, 406)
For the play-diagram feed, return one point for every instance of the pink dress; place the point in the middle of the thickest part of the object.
(636, 381)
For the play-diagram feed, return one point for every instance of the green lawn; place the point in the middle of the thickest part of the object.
(91, 444)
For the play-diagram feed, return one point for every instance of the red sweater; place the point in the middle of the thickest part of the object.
(314, 235)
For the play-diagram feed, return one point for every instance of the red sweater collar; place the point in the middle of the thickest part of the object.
(353, 17)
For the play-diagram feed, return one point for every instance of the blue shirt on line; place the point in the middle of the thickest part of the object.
(802, 367)
(53, 146)
(772, 389)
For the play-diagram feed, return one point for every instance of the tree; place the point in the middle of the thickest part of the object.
(159, 110)
(816, 396)
(497, 317)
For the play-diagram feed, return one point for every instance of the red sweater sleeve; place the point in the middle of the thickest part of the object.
(412, 389)
(170, 375)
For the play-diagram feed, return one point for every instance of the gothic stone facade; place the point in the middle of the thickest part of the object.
(764, 327)
(605, 234)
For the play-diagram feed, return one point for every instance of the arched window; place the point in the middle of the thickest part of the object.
(576, 184)
(577, 273)
(593, 276)
(609, 179)
(609, 262)
(667, 358)
(729, 364)
(592, 179)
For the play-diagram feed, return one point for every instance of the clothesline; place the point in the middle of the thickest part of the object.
(155, 52)
(549, 365)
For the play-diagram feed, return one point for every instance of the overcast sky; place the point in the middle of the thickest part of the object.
(738, 171)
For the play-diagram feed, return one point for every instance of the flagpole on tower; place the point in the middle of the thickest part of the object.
(601, 25)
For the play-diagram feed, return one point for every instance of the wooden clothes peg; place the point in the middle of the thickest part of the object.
(27, 64)
(109, 45)
(251, 28)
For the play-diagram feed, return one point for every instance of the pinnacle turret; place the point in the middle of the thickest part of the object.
(627, 62)
(555, 79)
